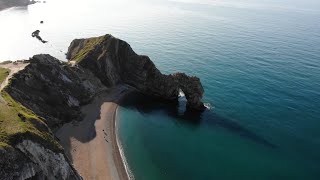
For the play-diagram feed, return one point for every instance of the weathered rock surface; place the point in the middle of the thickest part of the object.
(32, 160)
(114, 62)
(49, 164)
(54, 90)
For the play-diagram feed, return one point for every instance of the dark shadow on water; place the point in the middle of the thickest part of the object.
(147, 105)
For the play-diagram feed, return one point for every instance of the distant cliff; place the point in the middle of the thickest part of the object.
(12, 3)
(114, 62)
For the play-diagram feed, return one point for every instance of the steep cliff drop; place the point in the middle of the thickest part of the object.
(28, 147)
(114, 62)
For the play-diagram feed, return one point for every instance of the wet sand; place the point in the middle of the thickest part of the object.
(91, 144)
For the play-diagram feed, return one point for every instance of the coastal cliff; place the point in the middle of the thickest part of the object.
(31, 160)
(42, 97)
(53, 89)
(12, 3)
(49, 93)
(114, 62)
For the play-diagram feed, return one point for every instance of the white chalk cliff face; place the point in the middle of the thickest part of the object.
(45, 162)
(32, 160)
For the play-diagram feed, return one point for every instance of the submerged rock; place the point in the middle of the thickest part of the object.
(114, 62)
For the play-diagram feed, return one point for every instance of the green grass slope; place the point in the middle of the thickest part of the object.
(3, 74)
(18, 123)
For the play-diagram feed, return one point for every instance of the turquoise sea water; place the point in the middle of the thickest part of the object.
(261, 72)
(259, 63)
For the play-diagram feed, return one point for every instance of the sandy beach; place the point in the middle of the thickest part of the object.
(91, 144)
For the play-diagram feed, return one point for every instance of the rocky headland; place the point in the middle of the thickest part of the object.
(114, 62)
(47, 94)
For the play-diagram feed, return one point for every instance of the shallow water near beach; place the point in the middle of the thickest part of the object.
(259, 63)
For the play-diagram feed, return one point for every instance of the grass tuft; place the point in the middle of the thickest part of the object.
(3, 74)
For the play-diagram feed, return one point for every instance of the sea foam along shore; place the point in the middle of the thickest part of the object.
(92, 143)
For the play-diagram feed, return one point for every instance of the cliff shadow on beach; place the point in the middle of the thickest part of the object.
(101, 108)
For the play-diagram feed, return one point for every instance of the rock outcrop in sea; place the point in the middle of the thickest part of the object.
(48, 93)
(36, 34)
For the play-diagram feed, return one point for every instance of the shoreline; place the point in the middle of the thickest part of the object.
(92, 144)
(119, 156)
(126, 166)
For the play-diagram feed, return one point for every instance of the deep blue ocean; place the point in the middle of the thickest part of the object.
(258, 61)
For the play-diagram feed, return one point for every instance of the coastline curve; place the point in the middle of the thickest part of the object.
(119, 149)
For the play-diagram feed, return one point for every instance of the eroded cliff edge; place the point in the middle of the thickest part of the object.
(42, 97)
(114, 62)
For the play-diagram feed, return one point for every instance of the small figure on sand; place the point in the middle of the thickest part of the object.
(106, 139)
(36, 34)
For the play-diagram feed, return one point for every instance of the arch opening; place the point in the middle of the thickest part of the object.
(182, 102)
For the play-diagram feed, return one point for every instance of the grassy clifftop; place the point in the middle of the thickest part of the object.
(18, 123)
(3, 74)
(81, 48)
